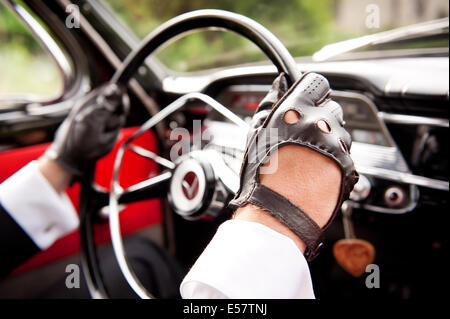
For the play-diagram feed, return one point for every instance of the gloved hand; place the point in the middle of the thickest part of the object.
(91, 129)
(319, 126)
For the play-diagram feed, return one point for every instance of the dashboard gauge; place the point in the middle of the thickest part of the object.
(359, 112)
(246, 101)
(368, 137)
(374, 152)
(362, 120)
(243, 99)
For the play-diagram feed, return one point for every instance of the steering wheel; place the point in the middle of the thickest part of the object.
(215, 180)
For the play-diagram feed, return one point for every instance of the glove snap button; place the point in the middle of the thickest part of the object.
(310, 254)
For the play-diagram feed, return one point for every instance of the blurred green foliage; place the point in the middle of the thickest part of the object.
(13, 31)
(304, 26)
(26, 69)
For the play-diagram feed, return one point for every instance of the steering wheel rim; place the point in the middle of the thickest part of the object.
(201, 19)
(207, 19)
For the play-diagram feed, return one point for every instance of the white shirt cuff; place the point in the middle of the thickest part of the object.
(34, 204)
(251, 261)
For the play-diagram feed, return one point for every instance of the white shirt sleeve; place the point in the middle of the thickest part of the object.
(36, 207)
(250, 261)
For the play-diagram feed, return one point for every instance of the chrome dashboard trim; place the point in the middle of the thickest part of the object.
(413, 200)
(402, 177)
(413, 120)
(373, 108)
(376, 156)
(335, 49)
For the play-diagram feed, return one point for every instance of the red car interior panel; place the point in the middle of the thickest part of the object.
(133, 218)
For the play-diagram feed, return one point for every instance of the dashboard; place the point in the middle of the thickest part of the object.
(387, 184)
(398, 120)
(397, 113)
(360, 113)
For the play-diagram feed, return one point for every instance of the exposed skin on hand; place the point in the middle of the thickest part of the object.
(308, 179)
(56, 175)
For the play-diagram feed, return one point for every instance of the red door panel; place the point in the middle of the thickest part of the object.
(133, 218)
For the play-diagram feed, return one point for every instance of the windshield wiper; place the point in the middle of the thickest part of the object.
(414, 31)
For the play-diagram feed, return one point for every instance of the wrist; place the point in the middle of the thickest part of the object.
(252, 213)
(311, 183)
(55, 174)
(308, 179)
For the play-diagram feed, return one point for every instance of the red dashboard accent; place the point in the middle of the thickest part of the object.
(251, 106)
(133, 218)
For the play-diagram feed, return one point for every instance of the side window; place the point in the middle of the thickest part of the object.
(27, 71)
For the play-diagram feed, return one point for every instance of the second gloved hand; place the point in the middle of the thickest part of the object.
(91, 129)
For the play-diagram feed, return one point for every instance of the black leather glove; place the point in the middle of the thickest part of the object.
(320, 127)
(91, 129)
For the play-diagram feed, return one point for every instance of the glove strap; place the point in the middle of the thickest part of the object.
(291, 216)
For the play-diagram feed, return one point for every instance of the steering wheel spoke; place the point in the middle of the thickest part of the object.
(150, 155)
(154, 187)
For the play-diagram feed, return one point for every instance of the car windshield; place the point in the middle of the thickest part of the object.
(304, 26)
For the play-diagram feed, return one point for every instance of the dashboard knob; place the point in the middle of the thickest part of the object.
(394, 196)
(361, 190)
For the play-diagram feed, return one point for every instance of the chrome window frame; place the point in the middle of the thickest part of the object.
(56, 52)
(63, 49)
